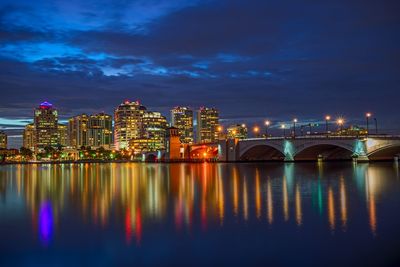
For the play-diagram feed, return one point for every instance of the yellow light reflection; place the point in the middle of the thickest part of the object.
(270, 204)
(299, 214)
(331, 208)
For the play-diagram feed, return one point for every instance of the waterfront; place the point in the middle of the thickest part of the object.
(250, 214)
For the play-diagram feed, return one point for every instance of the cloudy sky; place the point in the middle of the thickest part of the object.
(251, 59)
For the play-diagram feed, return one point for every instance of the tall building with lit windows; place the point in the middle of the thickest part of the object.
(207, 125)
(3, 140)
(46, 126)
(29, 137)
(100, 131)
(152, 133)
(182, 118)
(62, 135)
(127, 123)
(78, 131)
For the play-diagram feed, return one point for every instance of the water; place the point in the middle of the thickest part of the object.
(303, 214)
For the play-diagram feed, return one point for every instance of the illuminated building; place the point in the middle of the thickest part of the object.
(78, 131)
(3, 140)
(238, 131)
(127, 118)
(62, 134)
(46, 126)
(29, 136)
(207, 125)
(182, 118)
(152, 133)
(100, 131)
(174, 149)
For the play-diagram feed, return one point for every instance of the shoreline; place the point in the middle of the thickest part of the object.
(174, 162)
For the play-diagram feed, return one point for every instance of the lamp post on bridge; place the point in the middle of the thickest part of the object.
(283, 128)
(256, 131)
(294, 127)
(327, 119)
(376, 126)
(267, 123)
(340, 122)
(368, 115)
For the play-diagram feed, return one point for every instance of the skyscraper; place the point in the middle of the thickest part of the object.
(152, 133)
(78, 131)
(46, 126)
(3, 140)
(127, 117)
(100, 131)
(182, 118)
(207, 125)
(62, 134)
(29, 137)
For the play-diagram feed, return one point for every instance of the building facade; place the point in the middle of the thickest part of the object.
(46, 126)
(182, 118)
(29, 137)
(238, 131)
(127, 118)
(78, 131)
(152, 133)
(207, 125)
(90, 131)
(3, 140)
(62, 135)
(100, 131)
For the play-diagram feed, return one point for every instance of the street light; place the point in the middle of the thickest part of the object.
(340, 122)
(294, 127)
(376, 126)
(283, 128)
(327, 119)
(367, 116)
(256, 130)
(267, 123)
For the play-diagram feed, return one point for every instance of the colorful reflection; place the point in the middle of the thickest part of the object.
(188, 196)
(45, 222)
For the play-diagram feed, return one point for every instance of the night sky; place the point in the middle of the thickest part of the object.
(251, 59)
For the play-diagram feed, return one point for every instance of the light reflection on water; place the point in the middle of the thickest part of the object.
(133, 199)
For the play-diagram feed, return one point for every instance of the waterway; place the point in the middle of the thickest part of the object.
(202, 214)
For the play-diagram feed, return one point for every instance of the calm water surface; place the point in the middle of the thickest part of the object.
(307, 214)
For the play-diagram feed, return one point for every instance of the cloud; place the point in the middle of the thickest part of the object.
(251, 59)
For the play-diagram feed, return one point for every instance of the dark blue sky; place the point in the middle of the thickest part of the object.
(251, 59)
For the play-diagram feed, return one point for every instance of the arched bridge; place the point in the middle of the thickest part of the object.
(310, 148)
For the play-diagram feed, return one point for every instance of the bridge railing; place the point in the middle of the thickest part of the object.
(342, 137)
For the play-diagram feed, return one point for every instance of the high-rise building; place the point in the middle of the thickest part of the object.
(152, 133)
(46, 126)
(62, 135)
(78, 131)
(3, 140)
(238, 131)
(29, 137)
(100, 131)
(127, 118)
(207, 125)
(182, 118)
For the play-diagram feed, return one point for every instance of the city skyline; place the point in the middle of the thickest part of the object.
(255, 129)
(278, 61)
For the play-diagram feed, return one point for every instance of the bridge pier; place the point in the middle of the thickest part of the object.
(362, 158)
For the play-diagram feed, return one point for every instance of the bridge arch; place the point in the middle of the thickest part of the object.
(262, 152)
(326, 150)
(387, 152)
